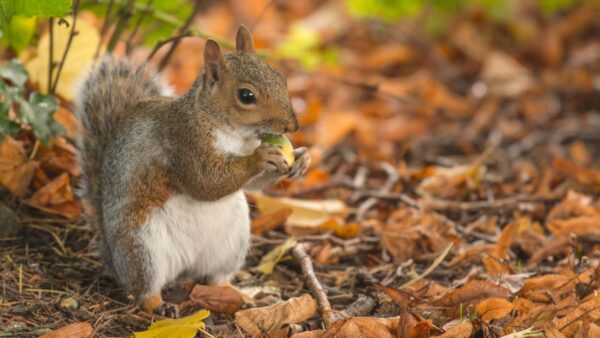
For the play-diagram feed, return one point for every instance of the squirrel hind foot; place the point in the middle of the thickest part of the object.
(155, 305)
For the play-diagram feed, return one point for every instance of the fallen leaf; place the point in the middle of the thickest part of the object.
(493, 308)
(547, 288)
(365, 327)
(464, 329)
(504, 76)
(217, 298)
(270, 319)
(56, 197)
(470, 294)
(268, 262)
(334, 127)
(581, 226)
(75, 330)
(186, 327)
(268, 222)
(307, 215)
(16, 170)
(588, 178)
(452, 182)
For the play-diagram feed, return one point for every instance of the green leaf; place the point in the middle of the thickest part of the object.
(29, 8)
(18, 33)
(7, 127)
(185, 327)
(38, 113)
(14, 72)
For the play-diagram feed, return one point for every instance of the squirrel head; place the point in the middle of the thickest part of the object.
(243, 91)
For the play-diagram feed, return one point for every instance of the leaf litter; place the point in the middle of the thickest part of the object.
(486, 224)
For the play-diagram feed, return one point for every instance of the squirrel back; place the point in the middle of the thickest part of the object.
(106, 92)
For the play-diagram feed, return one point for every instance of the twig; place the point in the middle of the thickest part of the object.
(313, 284)
(51, 54)
(430, 269)
(362, 306)
(105, 26)
(124, 15)
(181, 31)
(161, 43)
(72, 34)
(502, 203)
(136, 27)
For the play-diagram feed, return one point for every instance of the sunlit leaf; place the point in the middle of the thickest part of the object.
(185, 327)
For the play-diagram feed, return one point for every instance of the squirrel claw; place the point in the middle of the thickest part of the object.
(301, 164)
(167, 310)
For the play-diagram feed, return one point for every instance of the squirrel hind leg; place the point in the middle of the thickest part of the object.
(156, 305)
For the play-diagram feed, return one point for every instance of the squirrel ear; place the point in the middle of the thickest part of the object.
(243, 40)
(214, 61)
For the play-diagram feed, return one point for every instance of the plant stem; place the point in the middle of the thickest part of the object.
(105, 26)
(124, 15)
(136, 27)
(51, 54)
(181, 31)
(72, 34)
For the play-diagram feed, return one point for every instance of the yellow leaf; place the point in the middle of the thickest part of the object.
(80, 56)
(268, 262)
(182, 328)
(306, 217)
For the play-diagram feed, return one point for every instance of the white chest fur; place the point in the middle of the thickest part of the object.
(198, 239)
(237, 142)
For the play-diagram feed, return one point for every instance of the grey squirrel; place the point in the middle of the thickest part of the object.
(163, 177)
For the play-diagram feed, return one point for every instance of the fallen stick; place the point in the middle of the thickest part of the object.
(313, 284)
(430, 269)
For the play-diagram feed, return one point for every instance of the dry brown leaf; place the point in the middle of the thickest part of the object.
(309, 334)
(56, 197)
(67, 120)
(452, 182)
(470, 294)
(590, 308)
(61, 157)
(580, 226)
(272, 318)
(410, 233)
(504, 76)
(507, 236)
(16, 170)
(493, 308)
(387, 55)
(307, 215)
(573, 205)
(217, 298)
(547, 288)
(334, 127)
(463, 329)
(586, 177)
(75, 330)
(268, 222)
(364, 327)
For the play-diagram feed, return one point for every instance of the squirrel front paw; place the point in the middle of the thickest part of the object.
(301, 163)
(271, 160)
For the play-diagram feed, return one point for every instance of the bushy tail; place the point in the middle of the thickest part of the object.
(103, 98)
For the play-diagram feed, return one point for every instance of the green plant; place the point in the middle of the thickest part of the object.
(36, 110)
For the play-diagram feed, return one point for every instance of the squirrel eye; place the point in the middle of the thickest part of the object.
(246, 96)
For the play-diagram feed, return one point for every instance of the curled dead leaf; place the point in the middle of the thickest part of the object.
(56, 197)
(493, 308)
(75, 330)
(16, 170)
(470, 294)
(217, 298)
(271, 319)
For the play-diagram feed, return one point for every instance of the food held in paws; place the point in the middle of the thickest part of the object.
(284, 144)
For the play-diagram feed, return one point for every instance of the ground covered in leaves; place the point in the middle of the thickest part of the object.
(454, 192)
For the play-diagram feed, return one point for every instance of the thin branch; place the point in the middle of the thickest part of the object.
(51, 54)
(181, 31)
(105, 26)
(136, 26)
(313, 284)
(430, 269)
(72, 34)
(161, 43)
(124, 15)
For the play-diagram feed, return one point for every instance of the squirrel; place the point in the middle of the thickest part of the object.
(163, 177)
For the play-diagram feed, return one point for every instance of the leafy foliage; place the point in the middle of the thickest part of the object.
(36, 111)
(29, 8)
